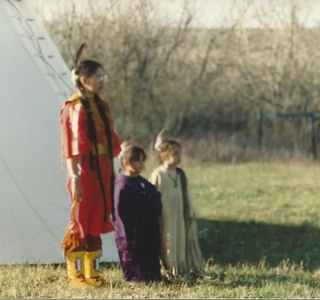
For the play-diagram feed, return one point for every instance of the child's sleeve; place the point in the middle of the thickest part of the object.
(155, 178)
(192, 211)
(126, 212)
(158, 203)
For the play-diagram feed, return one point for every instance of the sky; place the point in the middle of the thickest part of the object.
(213, 13)
(216, 13)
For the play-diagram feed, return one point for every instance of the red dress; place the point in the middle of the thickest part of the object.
(94, 213)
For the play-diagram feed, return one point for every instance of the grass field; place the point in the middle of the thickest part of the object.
(263, 230)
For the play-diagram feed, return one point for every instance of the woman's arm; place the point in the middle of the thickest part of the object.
(73, 166)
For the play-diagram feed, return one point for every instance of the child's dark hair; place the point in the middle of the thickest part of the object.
(165, 147)
(133, 153)
(86, 68)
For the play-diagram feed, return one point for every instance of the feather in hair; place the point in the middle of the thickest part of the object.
(79, 55)
(159, 138)
(74, 76)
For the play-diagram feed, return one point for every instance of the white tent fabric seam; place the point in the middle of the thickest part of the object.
(35, 82)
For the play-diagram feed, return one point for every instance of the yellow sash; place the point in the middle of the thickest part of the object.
(102, 149)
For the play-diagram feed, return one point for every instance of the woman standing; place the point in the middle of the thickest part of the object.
(89, 144)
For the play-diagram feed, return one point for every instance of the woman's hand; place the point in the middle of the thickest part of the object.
(76, 190)
(73, 165)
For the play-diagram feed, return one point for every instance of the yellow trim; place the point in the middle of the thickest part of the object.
(74, 97)
(102, 149)
(75, 263)
(91, 264)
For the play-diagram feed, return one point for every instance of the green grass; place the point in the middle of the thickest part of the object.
(262, 241)
(256, 211)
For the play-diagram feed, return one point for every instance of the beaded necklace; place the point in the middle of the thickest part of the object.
(175, 180)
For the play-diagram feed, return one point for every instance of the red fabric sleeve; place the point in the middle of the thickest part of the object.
(74, 129)
(116, 141)
(116, 144)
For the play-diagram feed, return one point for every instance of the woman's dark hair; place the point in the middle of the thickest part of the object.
(86, 68)
(133, 153)
(165, 147)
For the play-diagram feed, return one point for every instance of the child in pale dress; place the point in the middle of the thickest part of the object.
(180, 251)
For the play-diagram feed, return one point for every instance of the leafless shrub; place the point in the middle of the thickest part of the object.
(206, 85)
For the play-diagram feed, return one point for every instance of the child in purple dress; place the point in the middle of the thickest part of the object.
(137, 211)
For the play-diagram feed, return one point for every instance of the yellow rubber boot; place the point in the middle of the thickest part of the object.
(75, 269)
(92, 268)
(75, 263)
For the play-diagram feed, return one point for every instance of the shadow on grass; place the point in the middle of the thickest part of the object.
(252, 243)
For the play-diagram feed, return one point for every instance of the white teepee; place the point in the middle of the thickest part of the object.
(34, 82)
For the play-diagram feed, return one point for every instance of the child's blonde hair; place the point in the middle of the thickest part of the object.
(166, 147)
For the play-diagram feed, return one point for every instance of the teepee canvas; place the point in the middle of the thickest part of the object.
(34, 82)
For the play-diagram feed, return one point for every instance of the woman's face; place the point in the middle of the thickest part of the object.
(94, 83)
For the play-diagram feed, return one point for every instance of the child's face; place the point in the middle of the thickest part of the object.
(134, 167)
(173, 158)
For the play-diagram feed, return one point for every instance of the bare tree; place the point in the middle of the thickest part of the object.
(196, 81)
